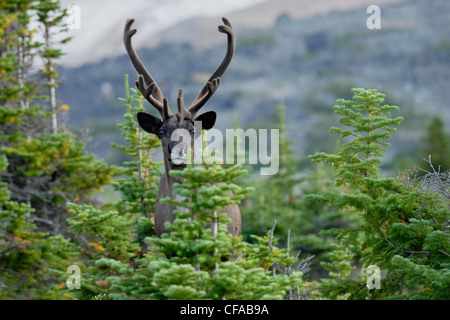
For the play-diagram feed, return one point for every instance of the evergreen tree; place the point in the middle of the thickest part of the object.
(51, 16)
(313, 230)
(338, 262)
(116, 231)
(143, 169)
(139, 187)
(274, 198)
(403, 229)
(193, 262)
(27, 255)
(437, 144)
(44, 169)
(285, 197)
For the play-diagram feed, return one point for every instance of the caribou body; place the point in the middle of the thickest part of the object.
(175, 152)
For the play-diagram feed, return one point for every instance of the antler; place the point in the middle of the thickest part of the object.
(146, 84)
(214, 80)
(150, 90)
(182, 112)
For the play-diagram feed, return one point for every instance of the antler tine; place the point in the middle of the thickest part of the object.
(214, 80)
(211, 87)
(146, 83)
(166, 109)
(182, 112)
(147, 94)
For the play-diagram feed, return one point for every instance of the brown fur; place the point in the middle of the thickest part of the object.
(164, 212)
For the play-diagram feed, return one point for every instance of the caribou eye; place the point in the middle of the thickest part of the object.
(161, 133)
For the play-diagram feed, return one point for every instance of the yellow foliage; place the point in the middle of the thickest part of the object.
(96, 246)
(22, 243)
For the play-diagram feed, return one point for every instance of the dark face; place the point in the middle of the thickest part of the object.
(176, 139)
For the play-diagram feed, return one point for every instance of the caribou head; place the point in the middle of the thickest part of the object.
(175, 149)
(175, 145)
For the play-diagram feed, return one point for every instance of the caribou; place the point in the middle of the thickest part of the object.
(175, 150)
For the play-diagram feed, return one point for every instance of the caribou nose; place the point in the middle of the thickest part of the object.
(178, 152)
(175, 147)
(182, 153)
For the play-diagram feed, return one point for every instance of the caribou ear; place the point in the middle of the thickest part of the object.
(149, 123)
(208, 119)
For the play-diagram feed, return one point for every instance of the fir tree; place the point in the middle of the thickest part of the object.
(403, 230)
(313, 229)
(437, 144)
(27, 255)
(140, 185)
(275, 198)
(194, 262)
(286, 198)
(51, 16)
(116, 231)
(45, 169)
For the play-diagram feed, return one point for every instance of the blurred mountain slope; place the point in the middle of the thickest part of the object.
(305, 62)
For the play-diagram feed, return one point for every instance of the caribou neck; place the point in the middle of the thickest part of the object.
(170, 180)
